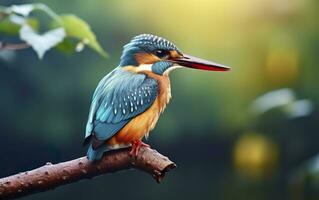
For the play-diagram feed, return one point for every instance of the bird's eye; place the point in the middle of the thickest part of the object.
(161, 53)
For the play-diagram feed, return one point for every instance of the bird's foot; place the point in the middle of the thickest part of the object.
(136, 146)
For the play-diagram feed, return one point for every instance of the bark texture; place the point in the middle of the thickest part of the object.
(51, 175)
(9, 46)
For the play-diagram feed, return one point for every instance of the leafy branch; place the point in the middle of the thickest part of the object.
(67, 32)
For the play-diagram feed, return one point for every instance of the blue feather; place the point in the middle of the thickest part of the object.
(145, 43)
(96, 154)
(101, 129)
(161, 66)
(119, 97)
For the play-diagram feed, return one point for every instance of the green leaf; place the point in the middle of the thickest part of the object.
(33, 23)
(67, 46)
(77, 28)
(8, 27)
(44, 42)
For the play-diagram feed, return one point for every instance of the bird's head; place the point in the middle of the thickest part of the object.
(156, 54)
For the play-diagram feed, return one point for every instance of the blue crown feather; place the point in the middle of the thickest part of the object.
(144, 43)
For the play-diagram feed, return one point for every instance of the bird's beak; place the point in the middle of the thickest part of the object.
(198, 63)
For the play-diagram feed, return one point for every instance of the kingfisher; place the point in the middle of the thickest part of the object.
(128, 101)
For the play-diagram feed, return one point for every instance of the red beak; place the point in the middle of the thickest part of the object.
(198, 63)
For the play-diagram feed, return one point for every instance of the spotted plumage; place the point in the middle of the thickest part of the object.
(128, 101)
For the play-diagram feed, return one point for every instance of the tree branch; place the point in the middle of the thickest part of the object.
(51, 175)
(9, 46)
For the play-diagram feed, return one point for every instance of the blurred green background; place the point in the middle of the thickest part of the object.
(229, 139)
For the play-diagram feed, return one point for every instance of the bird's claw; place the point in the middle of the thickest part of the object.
(136, 146)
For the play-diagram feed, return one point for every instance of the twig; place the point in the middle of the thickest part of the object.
(51, 175)
(9, 46)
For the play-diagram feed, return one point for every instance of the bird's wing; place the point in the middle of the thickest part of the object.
(120, 96)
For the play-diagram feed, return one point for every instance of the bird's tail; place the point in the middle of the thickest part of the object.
(96, 154)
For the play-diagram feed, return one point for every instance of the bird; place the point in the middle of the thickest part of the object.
(128, 101)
